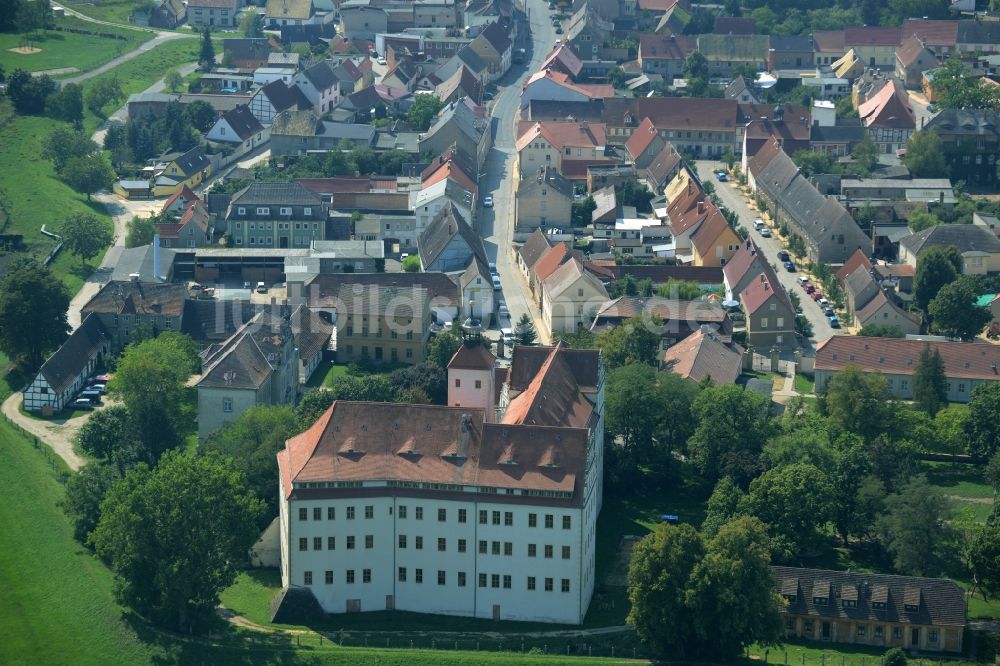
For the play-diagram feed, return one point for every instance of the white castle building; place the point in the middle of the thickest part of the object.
(484, 508)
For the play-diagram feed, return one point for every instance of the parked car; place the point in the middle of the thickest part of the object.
(261, 288)
(381, 60)
(493, 268)
(789, 266)
(827, 310)
(92, 396)
(99, 387)
(823, 302)
(508, 336)
(81, 403)
(488, 201)
(496, 282)
(816, 295)
(758, 223)
(502, 310)
(808, 288)
(721, 175)
(101, 379)
(784, 256)
(559, 30)
(765, 232)
(803, 280)
(834, 322)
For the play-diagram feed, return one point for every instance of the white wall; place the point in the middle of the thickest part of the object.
(466, 394)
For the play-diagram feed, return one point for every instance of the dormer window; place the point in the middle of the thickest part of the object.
(878, 605)
(820, 601)
(850, 603)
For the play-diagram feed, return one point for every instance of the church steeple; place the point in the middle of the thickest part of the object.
(472, 327)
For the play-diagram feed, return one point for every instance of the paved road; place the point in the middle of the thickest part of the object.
(146, 47)
(500, 179)
(733, 199)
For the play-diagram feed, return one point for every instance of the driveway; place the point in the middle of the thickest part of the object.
(57, 433)
(733, 199)
(496, 225)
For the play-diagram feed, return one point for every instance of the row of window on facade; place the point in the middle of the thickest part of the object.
(266, 210)
(485, 580)
(485, 516)
(266, 226)
(378, 333)
(402, 541)
(878, 631)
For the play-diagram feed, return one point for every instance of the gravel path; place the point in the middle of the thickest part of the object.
(57, 434)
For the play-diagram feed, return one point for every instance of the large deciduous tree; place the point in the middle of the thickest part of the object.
(85, 235)
(914, 529)
(423, 110)
(983, 558)
(954, 312)
(102, 92)
(732, 427)
(88, 174)
(636, 341)
(85, 492)
(175, 536)
(33, 305)
(67, 104)
(858, 403)
(795, 504)
(936, 267)
(925, 155)
(981, 425)
(65, 143)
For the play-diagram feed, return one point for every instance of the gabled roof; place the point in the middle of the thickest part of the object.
(275, 194)
(872, 36)
(471, 59)
(900, 356)
(708, 233)
(320, 75)
(829, 40)
(589, 90)
(938, 601)
(889, 107)
(974, 31)
(606, 202)
(324, 290)
(65, 365)
(673, 21)
(861, 286)
(243, 122)
(790, 43)
(745, 258)
(553, 398)
(968, 122)
(462, 83)
(533, 249)
(447, 224)
(450, 171)
(734, 47)
(547, 177)
(965, 237)
(666, 309)
(734, 25)
(641, 138)
(858, 259)
(561, 134)
(662, 165)
(497, 36)
(552, 259)
(197, 214)
(192, 162)
(185, 194)
(472, 357)
(246, 359)
(910, 50)
(759, 291)
(931, 32)
(563, 58)
(282, 96)
(660, 47)
(312, 333)
(703, 355)
(672, 113)
(463, 115)
(876, 303)
(458, 157)
(247, 48)
(126, 297)
(848, 65)
(567, 275)
(289, 9)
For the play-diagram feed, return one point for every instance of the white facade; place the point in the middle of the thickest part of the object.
(417, 562)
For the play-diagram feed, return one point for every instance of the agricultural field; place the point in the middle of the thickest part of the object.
(76, 52)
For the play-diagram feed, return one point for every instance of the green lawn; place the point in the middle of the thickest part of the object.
(804, 385)
(326, 374)
(116, 11)
(35, 197)
(60, 48)
(143, 71)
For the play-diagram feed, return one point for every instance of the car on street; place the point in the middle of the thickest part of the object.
(508, 336)
(261, 288)
(809, 289)
(101, 379)
(502, 311)
(721, 175)
(381, 60)
(834, 322)
(783, 255)
(488, 201)
(496, 282)
(559, 30)
(493, 268)
(765, 232)
(758, 223)
(823, 302)
(802, 280)
(816, 295)
(789, 266)
(827, 310)
(82, 403)
(99, 387)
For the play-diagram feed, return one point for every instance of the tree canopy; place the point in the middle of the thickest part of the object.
(85, 235)
(732, 427)
(954, 311)
(936, 267)
(33, 305)
(174, 536)
(925, 154)
(981, 425)
(795, 503)
(915, 528)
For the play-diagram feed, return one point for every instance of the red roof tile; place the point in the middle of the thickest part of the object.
(966, 360)
(889, 107)
(641, 138)
(859, 258)
(872, 36)
(553, 258)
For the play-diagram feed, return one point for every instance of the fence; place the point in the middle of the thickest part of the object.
(54, 461)
(816, 657)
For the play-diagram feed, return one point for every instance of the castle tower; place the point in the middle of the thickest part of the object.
(470, 371)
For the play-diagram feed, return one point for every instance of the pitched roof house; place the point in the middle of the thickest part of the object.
(238, 126)
(570, 297)
(913, 58)
(461, 123)
(551, 143)
(449, 243)
(644, 144)
(888, 117)
(66, 371)
(704, 356)
(980, 248)
(275, 97)
(563, 59)
(770, 317)
(532, 250)
(544, 199)
(553, 85)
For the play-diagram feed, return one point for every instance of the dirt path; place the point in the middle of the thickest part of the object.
(160, 38)
(971, 500)
(57, 434)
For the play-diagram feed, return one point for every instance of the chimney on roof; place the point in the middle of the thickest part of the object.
(701, 206)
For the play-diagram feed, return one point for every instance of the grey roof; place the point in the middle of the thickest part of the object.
(544, 109)
(471, 59)
(214, 319)
(323, 289)
(220, 102)
(350, 131)
(293, 122)
(971, 122)
(246, 359)
(862, 287)
(965, 237)
(283, 96)
(193, 161)
(218, 202)
(791, 43)
(447, 224)
(464, 118)
(289, 194)
(140, 260)
(283, 59)
(151, 97)
(312, 334)
(498, 36)
(244, 123)
(321, 75)
(973, 31)
(533, 249)
(62, 368)
(548, 177)
(736, 88)
(247, 48)
(837, 133)
(937, 601)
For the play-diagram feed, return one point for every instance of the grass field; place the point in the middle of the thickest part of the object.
(116, 11)
(325, 374)
(804, 385)
(60, 48)
(34, 195)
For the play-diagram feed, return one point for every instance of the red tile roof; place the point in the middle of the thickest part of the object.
(450, 171)
(472, 357)
(660, 47)
(872, 36)
(673, 113)
(577, 169)
(564, 59)
(932, 32)
(859, 258)
(758, 292)
(561, 134)
(337, 185)
(641, 138)
(553, 258)
(962, 360)
(185, 194)
(889, 107)
(829, 41)
(714, 226)
(552, 398)
(702, 355)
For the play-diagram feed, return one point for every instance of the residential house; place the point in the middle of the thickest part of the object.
(875, 46)
(313, 336)
(448, 243)
(830, 48)
(464, 57)
(301, 132)
(677, 319)
(918, 614)
(214, 13)
(360, 20)
(688, 208)
(674, 21)
(704, 127)
(385, 324)
(770, 317)
(178, 202)
(275, 97)
(724, 53)
(276, 215)
(280, 13)
(257, 365)
(168, 14)
(587, 32)
(448, 192)
(913, 58)
(644, 144)
(704, 356)
(888, 117)
(882, 311)
(990, 222)
(743, 91)
(939, 36)
(662, 54)
(319, 85)
(462, 124)
(662, 168)
(349, 77)
(979, 247)
(563, 59)
(971, 142)
(734, 25)
(462, 84)
(553, 85)
(865, 87)
(494, 46)
(184, 170)
(603, 174)
(829, 88)
(605, 212)
(541, 144)
(977, 36)
(67, 370)
(848, 67)
(124, 306)
(403, 75)
(788, 124)
(746, 266)
(539, 441)
(837, 140)
(239, 127)
(378, 96)
(794, 52)
(859, 258)
(966, 364)
(714, 242)
(192, 229)
(543, 199)
(531, 251)
(859, 289)
(557, 255)
(828, 231)
(571, 296)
